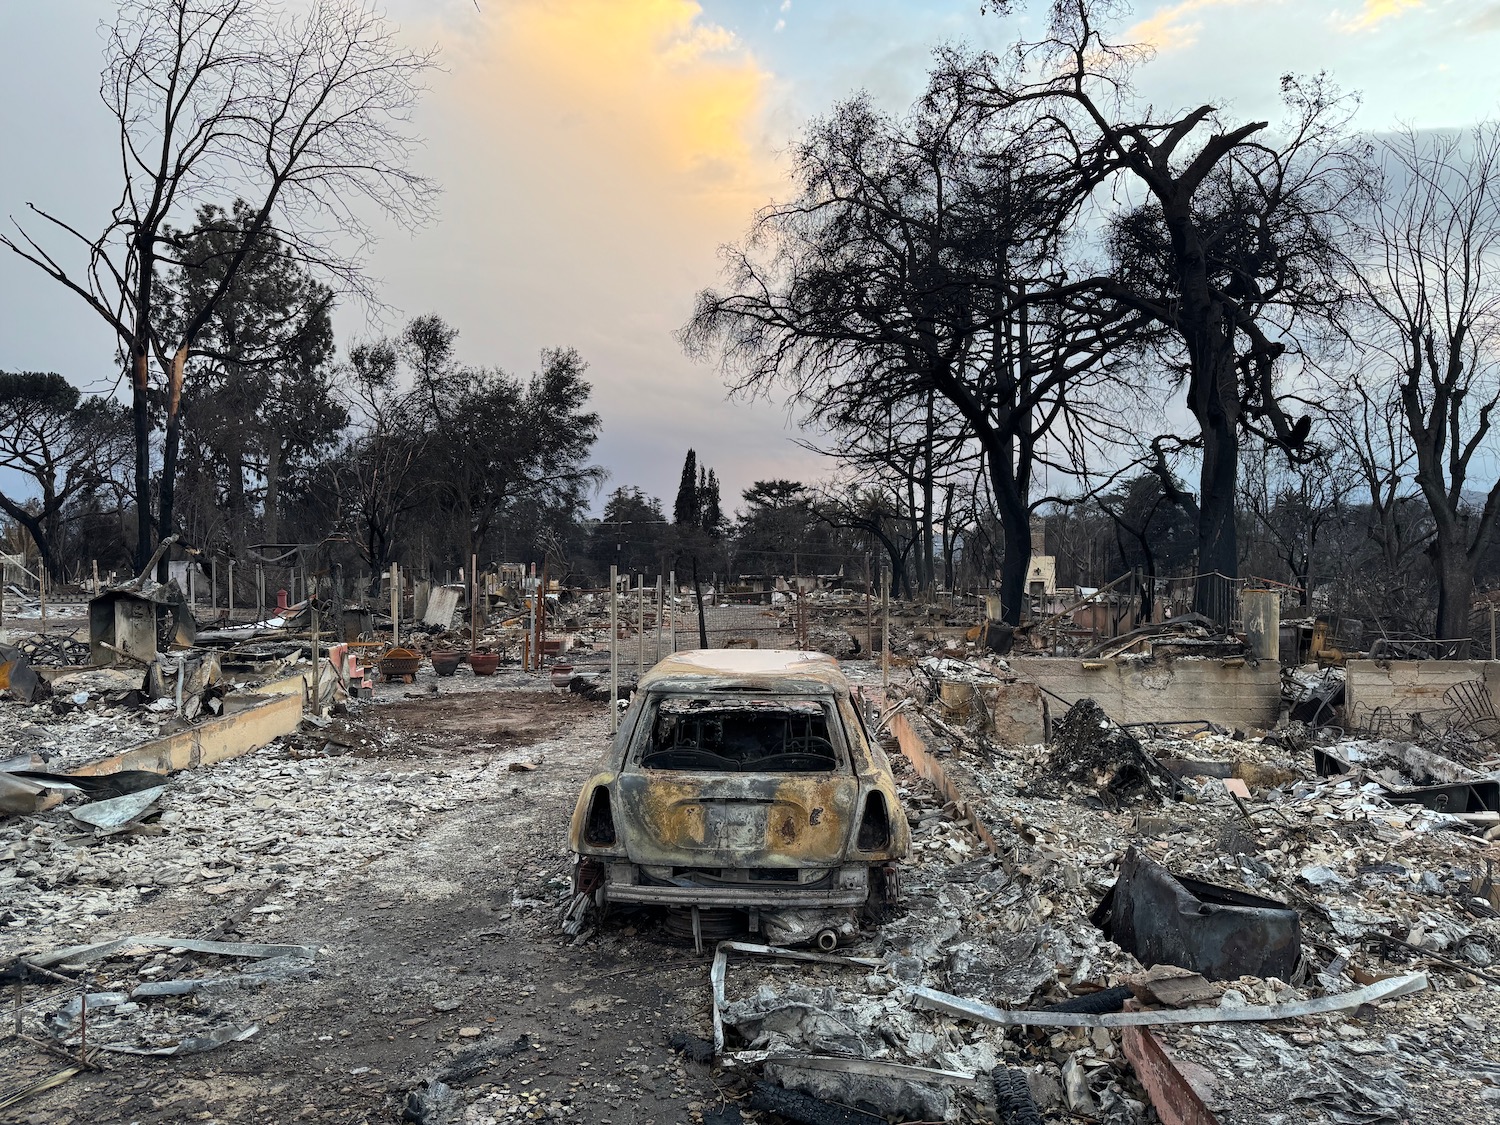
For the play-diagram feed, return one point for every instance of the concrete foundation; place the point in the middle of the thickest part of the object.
(1232, 693)
(1411, 687)
(916, 752)
(261, 719)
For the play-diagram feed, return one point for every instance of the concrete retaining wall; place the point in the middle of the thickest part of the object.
(228, 736)
(1409, 686)
(1230, 693)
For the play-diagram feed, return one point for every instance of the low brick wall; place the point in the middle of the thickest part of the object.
(1407, 687)
(1230, 693)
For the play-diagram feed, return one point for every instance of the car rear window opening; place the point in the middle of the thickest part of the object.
(740, 736)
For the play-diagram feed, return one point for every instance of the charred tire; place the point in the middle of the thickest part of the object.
(809, 1111)
(1013, 1099)
(1095, 1003)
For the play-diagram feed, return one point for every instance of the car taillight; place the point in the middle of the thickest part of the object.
(599, 825)
(875, 825)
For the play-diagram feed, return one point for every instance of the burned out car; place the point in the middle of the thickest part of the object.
(743, 792)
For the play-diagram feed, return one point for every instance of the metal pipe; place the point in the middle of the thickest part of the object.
(672, 592)
(316, 671)
(640, 618)
(828, 940)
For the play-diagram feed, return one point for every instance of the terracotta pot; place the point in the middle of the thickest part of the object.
(446, 661)
(484, 663)
(562, 675)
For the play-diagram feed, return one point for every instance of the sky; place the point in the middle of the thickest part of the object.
(595, 154)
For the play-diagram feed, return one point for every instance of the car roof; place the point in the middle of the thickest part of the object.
(762, 666)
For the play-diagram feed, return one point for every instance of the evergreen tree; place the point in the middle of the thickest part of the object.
(708, 503)
(685, 510)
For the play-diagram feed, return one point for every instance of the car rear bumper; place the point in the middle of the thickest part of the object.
(848, 886)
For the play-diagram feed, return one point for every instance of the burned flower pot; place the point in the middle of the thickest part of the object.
(446, 661)
(1223, 933)
(484, 663)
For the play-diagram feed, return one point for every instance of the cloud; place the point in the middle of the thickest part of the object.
(1172, 28)
(595, 154)
(1375, 12)
(1487, 20)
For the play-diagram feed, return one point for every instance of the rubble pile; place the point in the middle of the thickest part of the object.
(1381, 888)
(279, 821)
(160, 996)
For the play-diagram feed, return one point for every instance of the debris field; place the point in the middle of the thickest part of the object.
(364, 920)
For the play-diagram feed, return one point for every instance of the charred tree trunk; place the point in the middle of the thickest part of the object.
(698, 594)
(1455, 574)
(140, 416)
(928, 562)
(1213, 397)
(1218, 548)
(1015, 537)
(170, 448)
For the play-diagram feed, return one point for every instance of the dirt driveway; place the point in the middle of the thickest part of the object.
(435, 907)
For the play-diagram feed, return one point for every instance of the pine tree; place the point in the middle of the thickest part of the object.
(708, 503)
(685, 510)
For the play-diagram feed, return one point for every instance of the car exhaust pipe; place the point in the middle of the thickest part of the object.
(828, 940)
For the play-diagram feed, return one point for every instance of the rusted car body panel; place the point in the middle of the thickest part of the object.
(742, 838)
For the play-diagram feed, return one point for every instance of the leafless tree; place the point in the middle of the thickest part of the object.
(305, 115)
(912, 268)
(374, 479)
(1428, 371)
(1221, 232)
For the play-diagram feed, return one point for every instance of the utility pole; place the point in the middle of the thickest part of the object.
(614, 648)
(395, 606)
(885, 629)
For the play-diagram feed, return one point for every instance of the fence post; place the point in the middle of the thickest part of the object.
(640, 617)
(661, 610)
(672, 583)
